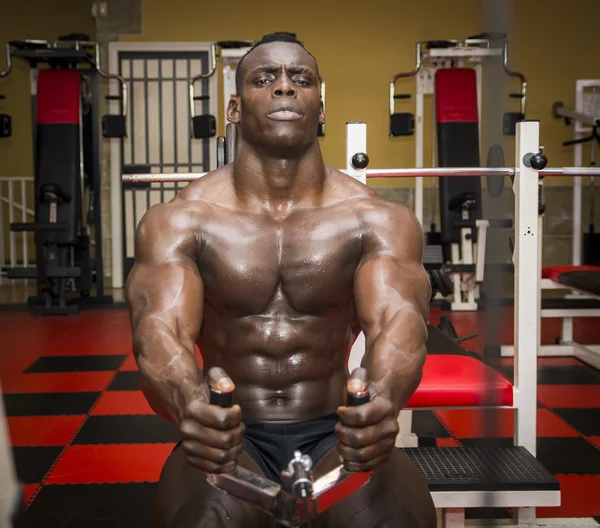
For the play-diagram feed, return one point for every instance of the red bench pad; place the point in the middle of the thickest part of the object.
(460, 381)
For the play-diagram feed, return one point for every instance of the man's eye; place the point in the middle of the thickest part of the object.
(262, 81)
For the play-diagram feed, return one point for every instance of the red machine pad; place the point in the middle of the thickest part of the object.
(554, 272)
(456, 95)
(460, 381)
(58, 93)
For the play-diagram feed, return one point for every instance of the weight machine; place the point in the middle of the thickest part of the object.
(230, 52)
(451, 71)
(581, 280)
(68, 223)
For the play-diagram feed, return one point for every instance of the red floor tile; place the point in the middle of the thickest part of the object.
(59, 382)
(129, 365)
(42, 430)
(122, 402)
(474, 423)
(569, 396)
(29, 490)
(580, 497)
(88, 464)
(558, 361)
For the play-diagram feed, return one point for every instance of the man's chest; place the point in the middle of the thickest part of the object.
(306, 261)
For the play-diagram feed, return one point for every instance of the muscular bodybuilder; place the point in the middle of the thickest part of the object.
(272, 265)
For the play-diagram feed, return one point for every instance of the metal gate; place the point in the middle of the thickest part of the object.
(159, 130)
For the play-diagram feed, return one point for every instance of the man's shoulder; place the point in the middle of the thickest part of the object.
(364, 198)
(191, 204)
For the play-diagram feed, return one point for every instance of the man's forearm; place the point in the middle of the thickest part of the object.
(170, 375)
(395, 355)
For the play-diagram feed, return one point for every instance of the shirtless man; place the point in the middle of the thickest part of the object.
(273, 265)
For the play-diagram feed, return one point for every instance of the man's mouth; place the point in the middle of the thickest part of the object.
(284, 114)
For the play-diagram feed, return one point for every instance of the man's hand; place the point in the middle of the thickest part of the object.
(367, 432)
(211, 435)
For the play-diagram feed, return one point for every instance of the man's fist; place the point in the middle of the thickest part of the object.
(366, 432)
(211, 436)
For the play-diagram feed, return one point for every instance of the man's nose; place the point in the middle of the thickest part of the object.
(284, 87)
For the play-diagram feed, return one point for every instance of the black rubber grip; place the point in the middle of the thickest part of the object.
(222, 399)
(358, 398)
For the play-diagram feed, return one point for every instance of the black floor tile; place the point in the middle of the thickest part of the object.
(486, 442)
(47, 364)
(426, 424)
(568, 456)
(130, 429)
(487, 513)
(49, 404)
(92, 506)
(586, 421)
(126, 381)
(559, 375)
(32, 463)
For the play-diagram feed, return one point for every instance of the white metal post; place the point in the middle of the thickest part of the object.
(9, 487)
(577, 190)
(356, 141)
(527, 293)
(419, 153)
(527, 284)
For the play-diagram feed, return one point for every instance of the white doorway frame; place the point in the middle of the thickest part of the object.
(114, 48)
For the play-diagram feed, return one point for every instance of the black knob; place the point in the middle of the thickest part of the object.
(360, 160)
(536, 161)
(539, 161)
(358, 398)
(222, 399)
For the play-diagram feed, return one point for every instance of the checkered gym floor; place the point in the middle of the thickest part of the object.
(89, 449)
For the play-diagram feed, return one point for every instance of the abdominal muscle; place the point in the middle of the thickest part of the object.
(284, 369)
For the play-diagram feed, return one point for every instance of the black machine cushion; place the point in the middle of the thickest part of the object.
(583, 278)
(57, 154)
(458, 144)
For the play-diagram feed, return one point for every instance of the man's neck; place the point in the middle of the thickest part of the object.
(277, 184)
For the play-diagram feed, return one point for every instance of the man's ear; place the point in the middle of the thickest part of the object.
(322, 116)
(234, 110)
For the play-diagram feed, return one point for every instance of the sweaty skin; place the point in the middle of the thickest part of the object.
(272, 266)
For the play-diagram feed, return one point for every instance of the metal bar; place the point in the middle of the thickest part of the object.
(11, 219)
(2, 255)
(515, 74)
(160, 126)
(418, 62)
(113, 76)
(189, 121)
(24, 219)
(147, 123)
(131, 113)
(8, 62)
(175, 160)
(210, 73)
(586, 119)
(388, 173)
(439, 171)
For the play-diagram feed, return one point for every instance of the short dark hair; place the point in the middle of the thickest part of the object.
(281, 36)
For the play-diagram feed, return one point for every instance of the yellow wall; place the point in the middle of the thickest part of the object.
(40, 20)
(360, 45)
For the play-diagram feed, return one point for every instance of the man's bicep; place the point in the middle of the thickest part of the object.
(164, 283)
(390, 278)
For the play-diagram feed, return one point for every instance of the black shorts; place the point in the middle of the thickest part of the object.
(272, 445)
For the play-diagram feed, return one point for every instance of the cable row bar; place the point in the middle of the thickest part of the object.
(386, 173)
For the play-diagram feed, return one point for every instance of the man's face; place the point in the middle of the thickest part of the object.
(279, 103)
